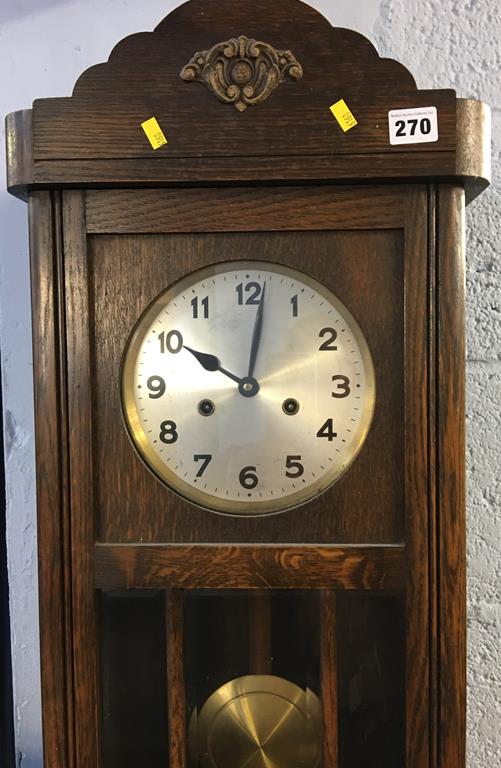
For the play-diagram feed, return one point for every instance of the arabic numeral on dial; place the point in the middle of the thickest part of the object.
(172, 342)
(295, 306)
(343, 386)
(254, 291)
(205, 459)
(195, 304)
(327, 430)
(248, 478)
(328, 345)
(156, 385)
(168, 432)
(294, 462)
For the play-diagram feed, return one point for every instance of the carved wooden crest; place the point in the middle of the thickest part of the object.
(242, 71)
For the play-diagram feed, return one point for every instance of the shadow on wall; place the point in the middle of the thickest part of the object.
(15, 325)
(6, 720)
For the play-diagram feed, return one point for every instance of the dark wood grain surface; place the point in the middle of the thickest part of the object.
(433, 661)
(95, 136)
(404, 245)
(142, 78)
(175, 683)
(241, 209)
(451, 568)
(52, 481)
(417, 340)
(393, 527)
(19, 146)
(82, 499)
(200, 566)
(276, 169)
(260, 647)
(329, 677)
(346, 262)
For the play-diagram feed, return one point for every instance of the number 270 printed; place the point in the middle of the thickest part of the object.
(413, 126)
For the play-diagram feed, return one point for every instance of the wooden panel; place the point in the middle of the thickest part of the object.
(247, 567)
(239, 210)
(218, 131)
(52, 481)
(370, 504)
(451, 478)
(417, 479)
(86, 674)
(102, 119)
(181, 171)
(329, 677)
(367, 504)
(176, 698)
(432, 453)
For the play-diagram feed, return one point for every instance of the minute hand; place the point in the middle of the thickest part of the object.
(256, 335)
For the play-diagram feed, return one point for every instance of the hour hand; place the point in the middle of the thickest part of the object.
(211, 363)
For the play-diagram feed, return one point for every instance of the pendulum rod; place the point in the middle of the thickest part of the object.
(260, 633)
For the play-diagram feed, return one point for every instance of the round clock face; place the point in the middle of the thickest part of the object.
(247, 387)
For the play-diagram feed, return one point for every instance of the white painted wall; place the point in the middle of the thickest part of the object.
(44, 46)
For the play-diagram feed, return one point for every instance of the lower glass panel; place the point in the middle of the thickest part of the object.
(133, 673)
(371, 693)
(249, 667)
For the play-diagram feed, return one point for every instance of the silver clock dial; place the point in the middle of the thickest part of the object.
(247, 387)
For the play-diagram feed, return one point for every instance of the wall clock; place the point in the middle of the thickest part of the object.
(248, 387)
(248, 296)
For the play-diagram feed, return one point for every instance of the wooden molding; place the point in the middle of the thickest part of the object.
(95, 136)
(196, 566)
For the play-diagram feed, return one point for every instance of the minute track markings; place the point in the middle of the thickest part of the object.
(279, 366)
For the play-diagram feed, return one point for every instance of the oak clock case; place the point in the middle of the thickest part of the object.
(318, 622)
(284, 417)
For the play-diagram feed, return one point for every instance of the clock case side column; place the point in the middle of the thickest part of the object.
(52, 478)
(417, 333)
(450, 534)
(85, 611)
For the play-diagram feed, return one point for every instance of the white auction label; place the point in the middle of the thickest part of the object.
(413, 126)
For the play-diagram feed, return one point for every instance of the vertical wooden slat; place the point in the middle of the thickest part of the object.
(417, 683)
(260, 633)
(328, 677)
(432, 452)
(52, 480)
(84, 604)
(451, 478)
(176, 697)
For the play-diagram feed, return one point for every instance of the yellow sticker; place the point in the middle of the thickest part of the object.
(154, 133)
(342, 113)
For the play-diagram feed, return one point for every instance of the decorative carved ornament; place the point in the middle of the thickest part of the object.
(242, 71)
